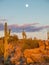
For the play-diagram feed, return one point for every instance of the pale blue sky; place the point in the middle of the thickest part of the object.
(16, 12)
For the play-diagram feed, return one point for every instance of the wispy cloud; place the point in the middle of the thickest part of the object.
(27, 27)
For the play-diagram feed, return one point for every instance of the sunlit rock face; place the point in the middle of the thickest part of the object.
(35, 55)
(32, 55)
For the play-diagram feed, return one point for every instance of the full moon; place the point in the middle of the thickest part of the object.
(27, 5)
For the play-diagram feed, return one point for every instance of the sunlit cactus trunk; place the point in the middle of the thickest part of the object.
(6, 34)
(5, 49)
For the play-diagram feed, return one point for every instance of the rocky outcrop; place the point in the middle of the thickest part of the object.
(35, 55)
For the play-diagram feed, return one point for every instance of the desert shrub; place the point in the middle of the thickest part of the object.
(35, 44)
(46, 58)
(30, 44)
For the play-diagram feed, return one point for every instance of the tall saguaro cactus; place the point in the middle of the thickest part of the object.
(6, 37)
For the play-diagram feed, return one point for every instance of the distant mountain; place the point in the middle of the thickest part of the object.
(27, 28)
